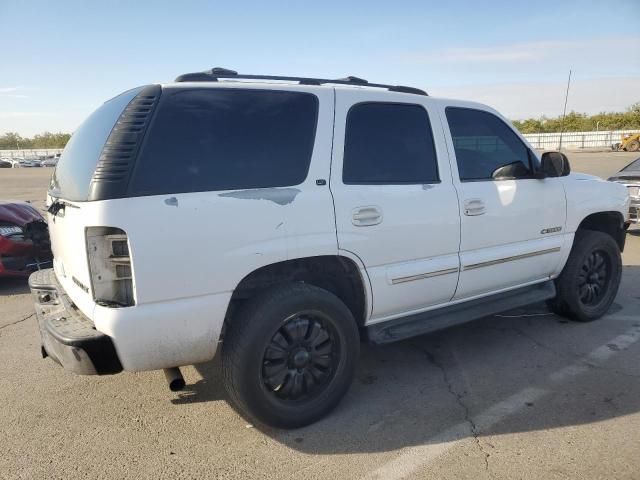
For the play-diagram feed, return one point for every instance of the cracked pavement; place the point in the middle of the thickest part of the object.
(523, 395)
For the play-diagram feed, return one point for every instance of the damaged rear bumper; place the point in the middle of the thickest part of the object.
(68, 336)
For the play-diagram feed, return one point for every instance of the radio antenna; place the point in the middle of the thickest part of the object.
(564, 111)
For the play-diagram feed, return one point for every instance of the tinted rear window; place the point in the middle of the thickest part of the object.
(72, 176)
(225, 139)
(389, 143)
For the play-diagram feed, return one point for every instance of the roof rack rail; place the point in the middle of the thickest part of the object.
(221, 73)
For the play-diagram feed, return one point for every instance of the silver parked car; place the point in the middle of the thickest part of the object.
(630, 177)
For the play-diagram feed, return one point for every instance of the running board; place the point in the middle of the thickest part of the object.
(426, 322)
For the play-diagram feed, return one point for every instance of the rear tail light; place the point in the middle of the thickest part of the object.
(110, 267)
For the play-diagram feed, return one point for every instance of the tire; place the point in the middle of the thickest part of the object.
(633, 146)
(590, 279)
(289, 355)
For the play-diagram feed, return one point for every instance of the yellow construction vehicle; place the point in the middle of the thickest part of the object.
(629, 142)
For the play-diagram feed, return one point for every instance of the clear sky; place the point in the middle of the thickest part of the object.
(61, 59)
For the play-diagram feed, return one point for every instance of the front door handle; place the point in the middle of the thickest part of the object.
(474, 206)
(366, 216)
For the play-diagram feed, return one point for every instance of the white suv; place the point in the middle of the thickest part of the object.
(283, 220)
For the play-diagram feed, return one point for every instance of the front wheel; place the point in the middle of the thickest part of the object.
(290, 355)
(589, 282)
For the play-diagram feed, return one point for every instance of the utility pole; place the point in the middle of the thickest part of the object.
(564, 111)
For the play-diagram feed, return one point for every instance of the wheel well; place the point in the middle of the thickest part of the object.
(339, 275)
(611, 223)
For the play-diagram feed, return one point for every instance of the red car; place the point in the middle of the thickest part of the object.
(24, 240)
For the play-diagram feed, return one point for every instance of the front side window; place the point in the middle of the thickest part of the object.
(486, 148)
(207, 139)
(389, 143)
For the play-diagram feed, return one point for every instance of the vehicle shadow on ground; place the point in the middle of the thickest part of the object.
(13, 286)
(208, 389)
(521, 371)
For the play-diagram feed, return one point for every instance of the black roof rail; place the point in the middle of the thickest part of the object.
(221, 73)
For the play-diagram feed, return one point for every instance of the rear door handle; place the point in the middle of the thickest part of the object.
(474, 206)
(366, 216)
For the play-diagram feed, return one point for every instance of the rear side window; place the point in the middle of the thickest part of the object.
(484, 144)
(224, 139)
(72, 176)
(389, 143)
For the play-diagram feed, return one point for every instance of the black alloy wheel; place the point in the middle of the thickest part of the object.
(300, 358)
(594, 276)
(289, 355)
(589, 282)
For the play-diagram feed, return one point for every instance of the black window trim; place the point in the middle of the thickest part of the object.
(438, 180)
(134, 194)
(530, 154)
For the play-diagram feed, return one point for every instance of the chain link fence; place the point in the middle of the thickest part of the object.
(30, 153)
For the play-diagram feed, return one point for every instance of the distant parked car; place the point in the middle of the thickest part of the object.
(5, 163)
(629, 176)
(50, 161)
(26, 162)
(24, 240)
(29, 162)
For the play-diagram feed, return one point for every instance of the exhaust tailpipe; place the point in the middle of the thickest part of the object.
(174, 379)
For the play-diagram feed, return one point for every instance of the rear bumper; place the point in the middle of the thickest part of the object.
(68, 336)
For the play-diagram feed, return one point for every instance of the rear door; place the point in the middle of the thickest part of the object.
(512, 224)
(396, 208)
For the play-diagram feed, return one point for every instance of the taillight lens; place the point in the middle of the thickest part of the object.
(110, 266)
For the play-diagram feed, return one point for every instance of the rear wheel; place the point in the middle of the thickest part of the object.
(589, 282)
(289, 356)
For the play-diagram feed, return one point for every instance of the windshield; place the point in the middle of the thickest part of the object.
(72, 176)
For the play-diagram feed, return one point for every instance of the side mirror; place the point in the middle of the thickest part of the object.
(554, 164)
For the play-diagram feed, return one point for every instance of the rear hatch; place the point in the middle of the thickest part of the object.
(97, 142)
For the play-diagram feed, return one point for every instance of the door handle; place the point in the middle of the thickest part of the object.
(366, 216)
(474, 206)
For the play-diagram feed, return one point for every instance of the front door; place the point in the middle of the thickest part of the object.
(512, 225)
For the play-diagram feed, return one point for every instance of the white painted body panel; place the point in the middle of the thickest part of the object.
(190, 251)
(587, 194)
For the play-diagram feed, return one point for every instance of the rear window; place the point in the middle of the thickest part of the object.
(388, 143)
(72, 176)
(225, 139)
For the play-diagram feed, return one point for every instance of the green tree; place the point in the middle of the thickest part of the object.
(581, 122)
(13, 141)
